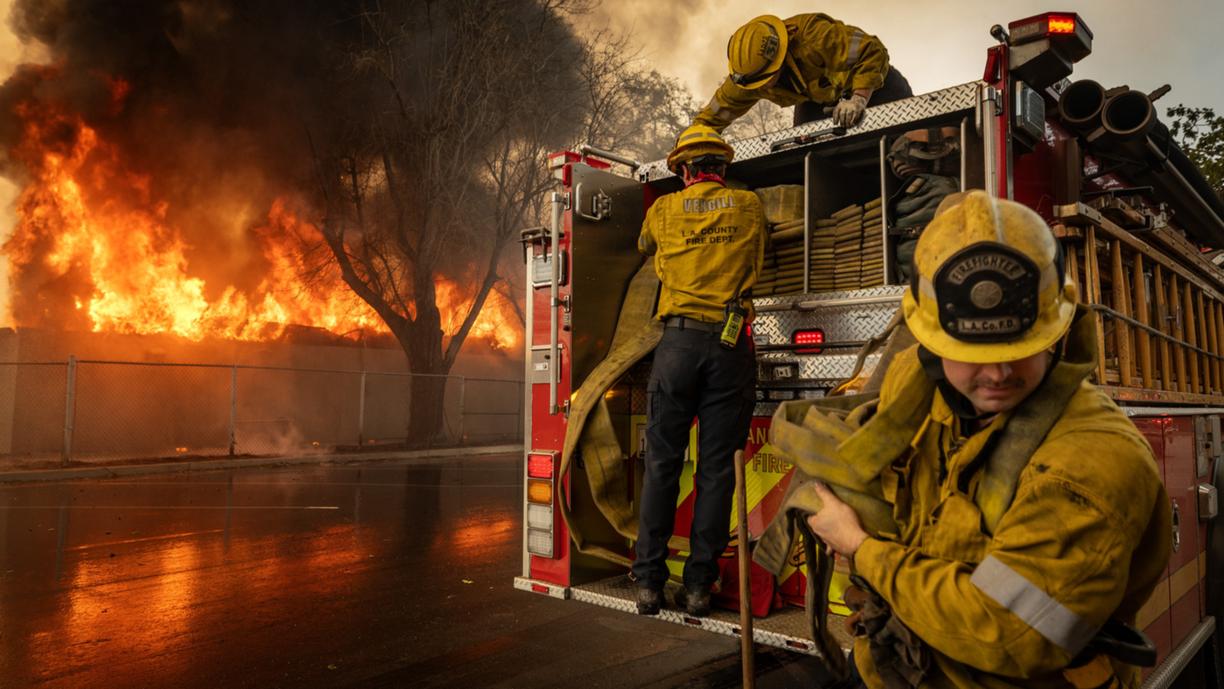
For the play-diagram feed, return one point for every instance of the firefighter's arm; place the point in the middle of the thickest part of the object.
(727, 105)
(868, 71)
(647, 244)
(1055, 570)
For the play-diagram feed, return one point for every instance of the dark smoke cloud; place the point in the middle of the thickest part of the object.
(226, 101)
(214, 110)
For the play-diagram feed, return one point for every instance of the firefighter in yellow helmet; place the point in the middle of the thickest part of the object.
(1043, 598)
(810, 61)
(708, 244)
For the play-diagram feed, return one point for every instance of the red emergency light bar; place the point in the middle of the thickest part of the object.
(1043, 48)
(808, 337)
(1045, 26)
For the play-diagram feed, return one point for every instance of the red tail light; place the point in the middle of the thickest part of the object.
(539, 466)
(813, 336)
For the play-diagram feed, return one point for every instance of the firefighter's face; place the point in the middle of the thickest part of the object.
(995, 388)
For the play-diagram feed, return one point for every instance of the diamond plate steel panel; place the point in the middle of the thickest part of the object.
(850, 316)
(830, 369)
(925, 106)
(786, 628)
(843, 316)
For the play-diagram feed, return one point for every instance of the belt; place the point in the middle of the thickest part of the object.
(686, 323)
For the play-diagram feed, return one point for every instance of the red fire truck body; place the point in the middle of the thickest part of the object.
(1135, 220)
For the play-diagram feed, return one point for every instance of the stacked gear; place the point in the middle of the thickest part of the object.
(858, 247)
(927, 162)
(783, 269)
(932, 151)
(698, 143)
(915, 203)
(847, 248)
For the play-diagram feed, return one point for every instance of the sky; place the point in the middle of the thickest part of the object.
(939, 43)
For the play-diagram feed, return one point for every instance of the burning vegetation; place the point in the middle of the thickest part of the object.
(126, 223)
(213, 168)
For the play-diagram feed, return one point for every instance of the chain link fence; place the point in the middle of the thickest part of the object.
(83, 410)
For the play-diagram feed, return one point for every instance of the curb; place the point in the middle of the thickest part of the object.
(218, 464)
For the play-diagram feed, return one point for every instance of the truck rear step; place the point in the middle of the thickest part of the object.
(785, 628)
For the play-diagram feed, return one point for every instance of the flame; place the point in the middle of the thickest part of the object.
(497, 322)
(99, 252)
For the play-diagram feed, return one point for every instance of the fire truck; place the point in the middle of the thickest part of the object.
(1138, 224)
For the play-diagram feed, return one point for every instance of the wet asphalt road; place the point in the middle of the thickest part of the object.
(387, 575)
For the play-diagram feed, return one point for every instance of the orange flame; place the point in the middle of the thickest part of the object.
(106, 258)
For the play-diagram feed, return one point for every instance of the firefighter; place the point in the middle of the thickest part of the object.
(708, 243)
(1039, 599)
(811, 61)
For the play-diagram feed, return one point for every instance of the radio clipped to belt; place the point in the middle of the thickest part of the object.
(733, 324)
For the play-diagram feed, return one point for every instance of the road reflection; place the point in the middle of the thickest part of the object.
(253, 580)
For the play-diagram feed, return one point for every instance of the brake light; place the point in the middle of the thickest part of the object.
(814, 336)
(539, 465)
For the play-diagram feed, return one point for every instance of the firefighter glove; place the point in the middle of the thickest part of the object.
(848, 112)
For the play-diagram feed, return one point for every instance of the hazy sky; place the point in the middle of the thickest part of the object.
(1141, 43)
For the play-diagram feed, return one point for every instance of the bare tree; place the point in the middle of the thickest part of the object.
(631, 108)
(431, 156)
(434, 159)
(763, 118)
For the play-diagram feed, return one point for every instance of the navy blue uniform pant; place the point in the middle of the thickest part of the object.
(693, 376)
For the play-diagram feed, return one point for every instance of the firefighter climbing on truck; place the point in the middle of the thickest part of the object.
(810, 61)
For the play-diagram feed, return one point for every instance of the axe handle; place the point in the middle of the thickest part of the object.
(745, 584)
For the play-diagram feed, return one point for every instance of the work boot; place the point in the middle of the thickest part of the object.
(649, 600)
(695, 601)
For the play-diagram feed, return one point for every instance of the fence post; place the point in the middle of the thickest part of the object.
(462, 414)
(233, 415)
(361, 412)
(69, 409)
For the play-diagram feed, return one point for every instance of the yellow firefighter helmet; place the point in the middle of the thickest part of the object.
(697, 141)
(988, 283)
(756, 51)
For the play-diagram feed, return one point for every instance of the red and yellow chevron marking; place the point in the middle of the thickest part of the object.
(767, 477)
